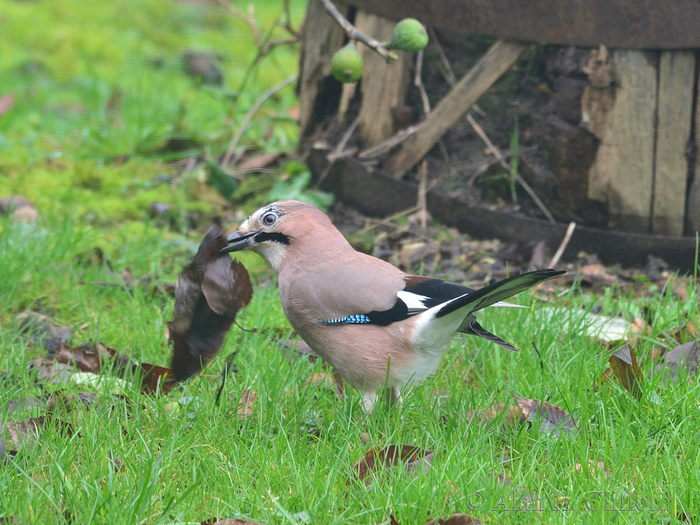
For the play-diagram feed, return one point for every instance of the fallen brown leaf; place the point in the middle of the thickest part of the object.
(604, 378)
(456, 519)
(686, 330)
(414, 459)
(679, 287)
(68, 401)
(258, 162)
(245, 403)
(40, 328)
(552, 418)
(512, 415)
(320, 379)
(232, 521)
(594, 468)
(209, 294)
(87, 357)
(50, 371)
(685, 356)
(593, 274)
(6, 103)
(624, 365)
(20, 208)
(639, 326)
(24, 433)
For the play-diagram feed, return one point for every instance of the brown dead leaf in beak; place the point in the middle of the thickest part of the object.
(153, 375)
(414, 459)
(624, 365)
(209, 294)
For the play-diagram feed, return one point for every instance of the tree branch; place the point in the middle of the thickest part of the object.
(355, 34)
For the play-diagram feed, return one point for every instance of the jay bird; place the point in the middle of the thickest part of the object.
(376, 325)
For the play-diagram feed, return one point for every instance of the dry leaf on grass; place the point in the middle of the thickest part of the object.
(513, 416)
(683, 357)
(20, 208)
(414, 460)
(594, 468)
(6, 103)
(456, 519)
(89, 357)
(40, 328)
(686, 330)
(209, 294)
(552, 418)
(624, 365)
(23, 433)
(258, 162)
(593, 274)
(246, 402)
(230, 521)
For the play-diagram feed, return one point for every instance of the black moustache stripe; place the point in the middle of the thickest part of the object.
(277, 237)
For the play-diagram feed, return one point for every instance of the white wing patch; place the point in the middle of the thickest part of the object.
(506, 304)
(413, 301)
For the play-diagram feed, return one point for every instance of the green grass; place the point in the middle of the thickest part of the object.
(185, 459)
(99, 90)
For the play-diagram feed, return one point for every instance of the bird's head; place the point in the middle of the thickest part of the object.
(273, 229)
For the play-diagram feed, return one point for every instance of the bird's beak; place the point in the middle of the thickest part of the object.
(237, 242)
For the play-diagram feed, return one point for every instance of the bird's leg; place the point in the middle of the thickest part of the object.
(369, 399)
(394, 395)
(339, 384)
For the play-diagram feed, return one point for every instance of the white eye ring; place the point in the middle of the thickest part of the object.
(269, 219)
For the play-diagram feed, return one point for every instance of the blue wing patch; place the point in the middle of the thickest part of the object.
(350, 319)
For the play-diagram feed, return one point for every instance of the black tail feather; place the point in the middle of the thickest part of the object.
(497, 291)
(474, 328)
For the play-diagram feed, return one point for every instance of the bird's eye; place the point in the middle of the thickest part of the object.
(269, 219)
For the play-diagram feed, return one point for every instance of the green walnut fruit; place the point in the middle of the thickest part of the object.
(409, 35)
(347, 64)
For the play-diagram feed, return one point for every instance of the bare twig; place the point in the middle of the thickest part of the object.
(499, 156)
(422, 194)
(341, 145)
(355, 34)
(262, 52)
(418, 82)
(288, 22)
(388, 220)
(484, 168)
(280, 42)
(248, 19)
(563, 245)
(391, 142)
(249, 116)
(449, 72)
